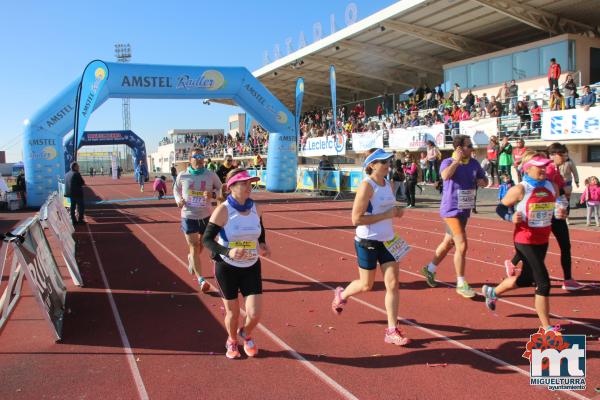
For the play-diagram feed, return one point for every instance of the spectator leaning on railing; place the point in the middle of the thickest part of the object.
(570, 89)
(588, 99)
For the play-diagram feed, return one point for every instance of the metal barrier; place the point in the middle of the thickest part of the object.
(27, 253)
(33, 258)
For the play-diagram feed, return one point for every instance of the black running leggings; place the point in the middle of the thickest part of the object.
(560, 229)
(411, 186)
(534, 270)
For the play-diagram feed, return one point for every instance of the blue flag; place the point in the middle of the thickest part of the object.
(248, 126)
(299, 97)
(94, 77)
(333, 96)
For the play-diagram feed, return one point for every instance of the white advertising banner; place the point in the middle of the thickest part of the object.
(368, 140)
(114, 167)
(571, 124)
(324, 146)
(480, 131)
(416, 138)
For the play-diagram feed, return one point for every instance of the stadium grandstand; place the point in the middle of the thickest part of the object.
(461, 64)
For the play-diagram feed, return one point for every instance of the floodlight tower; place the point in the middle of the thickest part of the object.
(123, 54)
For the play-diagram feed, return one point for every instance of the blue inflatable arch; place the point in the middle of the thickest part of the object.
(70, 110)
(103, 138)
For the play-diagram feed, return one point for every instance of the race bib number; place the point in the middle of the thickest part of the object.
(196, 199)
(540, 215)
(248, 246)
(466, 199)
(397, 247)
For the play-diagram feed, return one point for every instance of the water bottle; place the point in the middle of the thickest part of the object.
(561, 203)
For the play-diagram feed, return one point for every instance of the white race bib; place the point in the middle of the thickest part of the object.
(540, 215)
(196, 199)
(397, 247)
(248, 246)
(466, 199)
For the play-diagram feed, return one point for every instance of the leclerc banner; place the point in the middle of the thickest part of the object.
(416, 138)
(362, 142)
(480, 131)
(571, 124)
(324, 146)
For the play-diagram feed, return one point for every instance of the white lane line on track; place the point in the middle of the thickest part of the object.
(345, 393)
(336, 215)
(425, 231)
(478, 219)
(137, 377)
(419, 275)
(369, 305)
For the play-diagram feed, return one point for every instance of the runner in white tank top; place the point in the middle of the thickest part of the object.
(381, 201)
(241, 237)
(375, 242)
(240, 231)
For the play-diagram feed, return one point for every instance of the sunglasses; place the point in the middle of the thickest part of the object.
(198, 156)
(469, 146)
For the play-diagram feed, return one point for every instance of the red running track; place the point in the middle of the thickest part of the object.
(176, 335)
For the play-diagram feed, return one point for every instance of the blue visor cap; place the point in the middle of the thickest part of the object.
(377, 155)
(198, 156)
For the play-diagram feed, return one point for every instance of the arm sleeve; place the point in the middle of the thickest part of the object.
(208, 239)
(262, 238)
(503, 212)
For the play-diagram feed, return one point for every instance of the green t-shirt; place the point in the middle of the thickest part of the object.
(506, 155)
(211, 166)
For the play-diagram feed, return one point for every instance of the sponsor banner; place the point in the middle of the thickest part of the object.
(94, 78)
(307, 179)
(571, 124)
(114, 167)
(329, 180)
(33, 252)
(351, 180)
(362, 142)
(480, 131)
(299, 98)
(416, 138)
(59, 223)
(356, 177)
(333, 84)
(103, 154)
(324, 146)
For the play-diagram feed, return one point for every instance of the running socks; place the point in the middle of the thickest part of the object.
(460, 280)
(431, 267)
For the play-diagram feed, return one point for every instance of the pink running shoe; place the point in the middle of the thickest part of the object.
(572, 284)
(395, 336)
(250, 348)
(510, 268)
(232, 349)
(337, 305)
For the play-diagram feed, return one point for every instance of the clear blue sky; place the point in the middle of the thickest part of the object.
(46, 44)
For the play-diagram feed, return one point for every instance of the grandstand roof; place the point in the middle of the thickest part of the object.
(407, 44)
